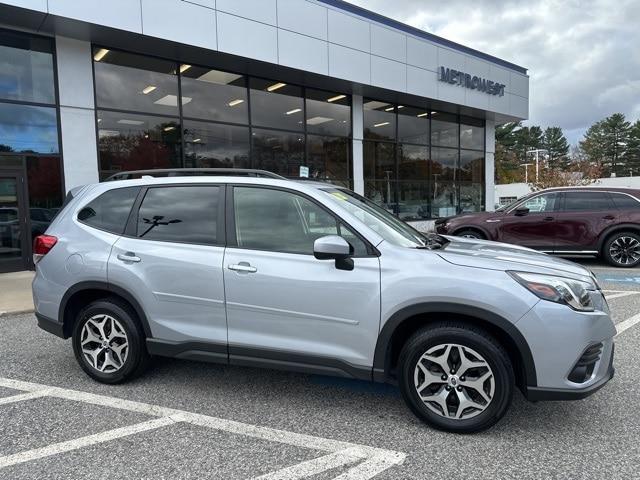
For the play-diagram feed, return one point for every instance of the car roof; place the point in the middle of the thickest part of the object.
(593, 188)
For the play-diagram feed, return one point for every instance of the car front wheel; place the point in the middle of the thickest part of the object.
(622, 249)
(456, 377)
(108, 342)
(470, 234)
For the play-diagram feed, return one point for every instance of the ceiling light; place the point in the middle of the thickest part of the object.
(168, 129)
(373, 105)
(295, 110)
(388, 109)
(125, 121)
(172, 100)
(275, 86)
(184, 67)
(434, 113)
(318, 120)
(336, 98)
(195, 140)
(149, 89)
(222, 78)
(100, 54)
(235, 102)
(381, 124)
(400, 106)
(422, 114)
(99, 120)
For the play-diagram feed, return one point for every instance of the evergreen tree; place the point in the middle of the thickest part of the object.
(633, 150)
(606, 143)
(557, 147)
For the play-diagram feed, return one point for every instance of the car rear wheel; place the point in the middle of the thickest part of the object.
(108, 342)
(468, 233)
(456, 377)
(622, 249)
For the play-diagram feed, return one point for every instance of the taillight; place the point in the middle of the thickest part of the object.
(42, 244)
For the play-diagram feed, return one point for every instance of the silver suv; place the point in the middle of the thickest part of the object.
(310, 277)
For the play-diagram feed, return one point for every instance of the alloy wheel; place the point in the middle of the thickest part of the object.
(104, 343)
(454, 381)
(625, 250)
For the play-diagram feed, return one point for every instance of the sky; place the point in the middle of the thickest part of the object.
(583, 56)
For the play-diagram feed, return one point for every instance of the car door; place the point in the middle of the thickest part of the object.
(530, 223)
(170, 259)
(582, 216)
(284, 306)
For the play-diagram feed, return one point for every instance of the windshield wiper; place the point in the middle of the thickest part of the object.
(433, 242)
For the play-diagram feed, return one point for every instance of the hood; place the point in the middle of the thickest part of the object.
(502, 256)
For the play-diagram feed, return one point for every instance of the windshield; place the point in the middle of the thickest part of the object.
(377, 219)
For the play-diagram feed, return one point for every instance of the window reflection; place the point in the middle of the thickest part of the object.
(26, 68)
(276, 104)
(214, 95)
(471, 166)
(136, 83)
(472, 133)
(278, 152)
(328, 158)
(28, 129)
(328, 113)
(379, 120)
(444, 130)
(211, 145)
(137, 142)
(413, 125)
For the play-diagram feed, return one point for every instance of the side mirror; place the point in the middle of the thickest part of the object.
(334, 247)
(520, 212)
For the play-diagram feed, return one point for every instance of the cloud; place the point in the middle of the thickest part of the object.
(582, 55)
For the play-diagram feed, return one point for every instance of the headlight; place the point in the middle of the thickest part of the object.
(558, 289)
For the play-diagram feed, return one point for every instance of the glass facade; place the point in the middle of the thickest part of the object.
(422, 164)
(31, 184)
(154, 113)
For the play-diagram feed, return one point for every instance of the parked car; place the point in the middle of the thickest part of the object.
(573, 220)
(311, 277)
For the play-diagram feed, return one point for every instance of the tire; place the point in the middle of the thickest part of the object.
(622, 249)
(477, 345)
(469, 233)
(111, 320)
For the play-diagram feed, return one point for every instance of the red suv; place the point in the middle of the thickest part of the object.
(573, 220)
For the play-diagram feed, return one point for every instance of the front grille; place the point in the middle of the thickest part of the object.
(583, 369)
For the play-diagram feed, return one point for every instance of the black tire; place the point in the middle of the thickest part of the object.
(466, 336)
(137, 357)
(620, 237)
(470, 233)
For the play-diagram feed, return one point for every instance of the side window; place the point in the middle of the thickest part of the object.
(541, 203)
(359, 247)
(110, 210)
(185, 214)
(279, 221)
(625, 202)
(586, 201)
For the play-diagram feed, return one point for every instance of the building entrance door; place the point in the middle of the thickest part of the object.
(14, 239)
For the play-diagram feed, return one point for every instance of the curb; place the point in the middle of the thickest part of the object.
(16, 312)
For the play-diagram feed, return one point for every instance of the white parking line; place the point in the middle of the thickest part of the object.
(375, 460)
(621, 294)
(87, 441)
(25, 396)
(627, 324)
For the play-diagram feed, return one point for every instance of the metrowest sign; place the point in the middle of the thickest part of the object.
(472, 82)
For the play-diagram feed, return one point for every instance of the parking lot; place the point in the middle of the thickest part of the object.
(194, 420)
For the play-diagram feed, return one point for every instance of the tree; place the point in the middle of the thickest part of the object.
(606, 142)
(633, 149)
(580, 173)
(528, 138)
(557, 147)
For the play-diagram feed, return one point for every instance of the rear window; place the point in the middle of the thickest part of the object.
(110, 210)
(186, 214)
(625, 202)
(586, 201)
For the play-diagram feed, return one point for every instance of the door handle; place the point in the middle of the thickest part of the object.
(128, 257)
(609, 217)
(243, 267)
(548, 219)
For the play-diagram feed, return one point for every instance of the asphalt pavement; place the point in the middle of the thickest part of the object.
(195, 420)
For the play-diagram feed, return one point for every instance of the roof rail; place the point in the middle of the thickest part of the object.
(187, 172)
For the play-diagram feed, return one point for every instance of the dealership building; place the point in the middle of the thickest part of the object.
(303, 88)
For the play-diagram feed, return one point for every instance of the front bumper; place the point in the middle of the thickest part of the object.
(537, 394)
(561, 340)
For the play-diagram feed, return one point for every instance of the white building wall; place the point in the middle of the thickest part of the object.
(490, 166)
(77, 112)
(348, 46)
